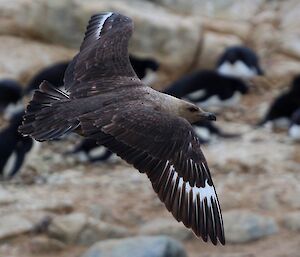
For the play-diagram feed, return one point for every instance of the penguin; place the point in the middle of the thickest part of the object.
(282, 108)
(89, 151)
(208, 88)
(145, 69)
(294, 130)
(239, 61)
(207, 131)
(10, 95)
(13, 147)
(53, 73)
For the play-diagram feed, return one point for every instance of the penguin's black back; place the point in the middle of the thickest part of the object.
(141, 65)
(211, 81)
(285, 104)
(10, 91)
(54, 74)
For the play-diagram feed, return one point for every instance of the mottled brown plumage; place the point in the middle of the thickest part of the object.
(152, 131)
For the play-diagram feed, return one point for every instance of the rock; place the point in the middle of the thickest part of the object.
(143, 246)
(45, 245)
(78, 228)
(245, 226)
(240, 29)
(292, 221)
(6, 197)
(64, 22)
(96, 231)
(226, 9)
(68, 227)
(14, 225)
(27, 57)
(166, 227)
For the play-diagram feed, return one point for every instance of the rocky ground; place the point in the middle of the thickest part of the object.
(59, 207)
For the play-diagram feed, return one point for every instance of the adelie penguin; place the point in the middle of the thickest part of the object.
(10, 96)
(89, 151)
(53, 73)
(282, 108)
(239, 61)
(13, 147)
(208, 89)
(145, 68)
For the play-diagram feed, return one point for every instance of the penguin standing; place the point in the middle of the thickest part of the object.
(53, 73)
(239, 61)
(13, 147)
(89, 150)
(10, 96)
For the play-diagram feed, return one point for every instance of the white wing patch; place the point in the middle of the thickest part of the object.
(204, 192)
(101, 23)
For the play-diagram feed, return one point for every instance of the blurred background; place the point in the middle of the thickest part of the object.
(239, 59)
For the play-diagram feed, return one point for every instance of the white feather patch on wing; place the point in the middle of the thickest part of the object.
(207, 191)
(101, 23)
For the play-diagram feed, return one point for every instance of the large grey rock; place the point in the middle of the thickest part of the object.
(159, 246)
(43, 244)
(164, 37)
(166, 227)
(22, 58)
(67, 228)
(78, 228)
(292, 221)
(14, 225)
(96, 231)
(245, 226)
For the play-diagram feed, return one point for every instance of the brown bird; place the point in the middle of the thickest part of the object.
(107, 102)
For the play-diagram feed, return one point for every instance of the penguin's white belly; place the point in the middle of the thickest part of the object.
(150, 78)
(215, 101)
(98, 151)
(10, 163)
(202, 133)
(238, 69)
